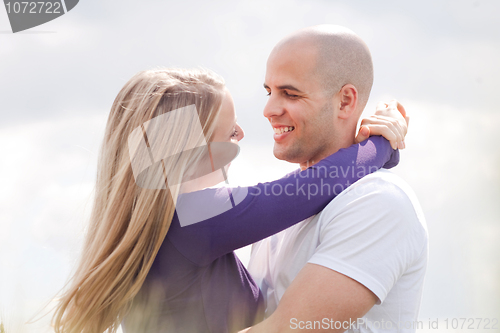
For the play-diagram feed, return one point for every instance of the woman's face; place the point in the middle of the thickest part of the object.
(226, 128)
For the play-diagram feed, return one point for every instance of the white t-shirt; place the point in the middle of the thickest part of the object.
(374, 232)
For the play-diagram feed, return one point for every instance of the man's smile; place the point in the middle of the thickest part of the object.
(281, 132)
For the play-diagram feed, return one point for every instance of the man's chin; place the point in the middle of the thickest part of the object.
(278, 152)
(286, 155)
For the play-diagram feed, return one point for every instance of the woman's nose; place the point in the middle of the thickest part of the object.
(241, 133)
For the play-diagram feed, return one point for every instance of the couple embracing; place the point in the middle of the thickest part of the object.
(349, 257)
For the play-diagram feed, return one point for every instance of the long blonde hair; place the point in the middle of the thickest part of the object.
(128, 223)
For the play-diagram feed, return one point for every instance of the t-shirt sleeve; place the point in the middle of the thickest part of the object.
(226, 219)
(373, 238)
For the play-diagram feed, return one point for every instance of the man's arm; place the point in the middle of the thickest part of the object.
(317, 293)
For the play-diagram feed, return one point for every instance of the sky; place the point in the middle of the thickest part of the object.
(58, 81)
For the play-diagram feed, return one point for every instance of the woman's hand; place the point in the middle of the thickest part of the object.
(390, 121)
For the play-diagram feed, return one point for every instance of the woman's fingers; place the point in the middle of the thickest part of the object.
(387, 127)
(398, 106)
(363, 134)
(390, 121)
(393, 109)
(386, 133)
(381, 106)
(394, 124)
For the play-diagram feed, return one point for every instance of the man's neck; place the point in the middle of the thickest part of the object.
(317, 158)
(329, 151)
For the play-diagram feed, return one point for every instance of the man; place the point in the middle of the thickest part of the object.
(359, 265)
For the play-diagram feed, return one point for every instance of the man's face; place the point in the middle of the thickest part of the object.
(298, 109)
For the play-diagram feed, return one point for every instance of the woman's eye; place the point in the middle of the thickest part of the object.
(268, 94)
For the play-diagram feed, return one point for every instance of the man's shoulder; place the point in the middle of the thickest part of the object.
(373, 232)
(382, 184)
(381, 193)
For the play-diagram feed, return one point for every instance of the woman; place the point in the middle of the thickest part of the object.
(145, 265)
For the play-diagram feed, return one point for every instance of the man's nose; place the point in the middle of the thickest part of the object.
(273, 108)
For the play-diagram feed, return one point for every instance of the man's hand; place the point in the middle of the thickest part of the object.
(390, 121)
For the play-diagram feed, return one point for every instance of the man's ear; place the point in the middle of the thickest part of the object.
(347, 101)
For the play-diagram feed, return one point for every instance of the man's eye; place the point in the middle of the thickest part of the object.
(268, 93)
(290, 95)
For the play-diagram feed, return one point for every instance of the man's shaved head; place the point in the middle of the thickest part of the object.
(318, 81)
(341, 58)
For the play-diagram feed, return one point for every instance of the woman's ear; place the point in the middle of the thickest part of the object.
(348, 101)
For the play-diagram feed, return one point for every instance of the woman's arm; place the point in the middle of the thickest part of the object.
(250, 214)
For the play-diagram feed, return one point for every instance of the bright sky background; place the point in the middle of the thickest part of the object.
(58, 81)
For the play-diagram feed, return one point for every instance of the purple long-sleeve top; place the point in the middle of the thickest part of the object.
(197, 284)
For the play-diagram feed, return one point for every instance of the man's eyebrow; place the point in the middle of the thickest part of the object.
(286, 86)
(289, 87)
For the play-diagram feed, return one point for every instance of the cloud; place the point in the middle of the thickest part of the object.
(439, 58)
(48, 173)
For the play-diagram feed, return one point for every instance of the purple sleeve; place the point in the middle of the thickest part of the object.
(268, 208)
